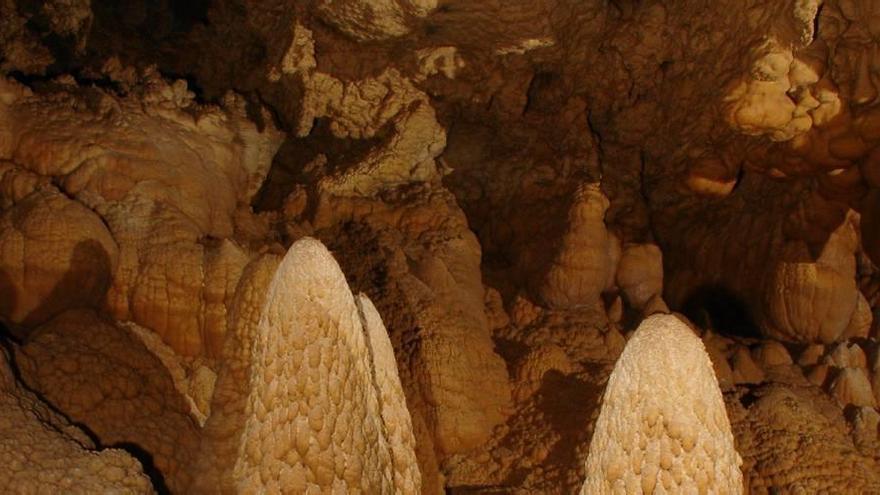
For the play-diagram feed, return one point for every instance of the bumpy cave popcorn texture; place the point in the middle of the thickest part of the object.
(425, 246)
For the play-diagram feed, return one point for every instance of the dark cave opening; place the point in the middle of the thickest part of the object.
(188, 13)
(720, 309)
(152, 18)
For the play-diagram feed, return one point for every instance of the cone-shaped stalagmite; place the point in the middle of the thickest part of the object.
(317, 416)
(663, 427)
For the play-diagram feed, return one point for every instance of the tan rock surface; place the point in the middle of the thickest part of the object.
(223, 432)
(372, 20)
(745, 370)
(852, 387)
(640, 273)
(55, 254)
(182, 170)
(43, 453)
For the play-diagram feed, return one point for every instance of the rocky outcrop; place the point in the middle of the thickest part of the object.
(56, 255)
(588, 255)
(397, 424)
(370, 21)
(422, 269)
(182, 171)
(102, 376)
(640, 274)
(221, 438)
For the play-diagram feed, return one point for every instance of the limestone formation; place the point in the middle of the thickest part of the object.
(396, 422)
(587, 260)
(847, 355)
(826, 298)
(663, 432)
(20, 48)
(181, 170)
(213, 465)
(416, 270)
(745, 370)
(509, 191)
(772, 353)
(367, 21)
(852, 387)
(640, 273)
(812, 354)
(56, 255)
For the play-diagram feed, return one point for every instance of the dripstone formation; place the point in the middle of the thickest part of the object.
(440, 246)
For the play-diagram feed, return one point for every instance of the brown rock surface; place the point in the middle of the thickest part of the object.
(424, 276)
(793, 440)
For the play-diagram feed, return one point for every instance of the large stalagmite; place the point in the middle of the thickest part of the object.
(663, 427)
(320, 415)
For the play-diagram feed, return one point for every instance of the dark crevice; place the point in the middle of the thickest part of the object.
(146, 460)
(748, 398)
(35, 81)
(188, 13)
(86, 78)
(816, 20)
(539, 94)
(644, 194)
(740, 175)
(511, 351)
